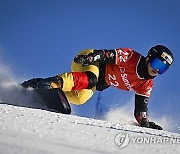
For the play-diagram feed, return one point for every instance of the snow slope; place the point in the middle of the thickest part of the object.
(36, 131)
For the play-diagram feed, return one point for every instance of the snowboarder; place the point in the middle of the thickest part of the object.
(122, 68)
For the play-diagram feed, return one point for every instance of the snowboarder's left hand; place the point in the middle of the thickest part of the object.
(146, 123)
(85, 60)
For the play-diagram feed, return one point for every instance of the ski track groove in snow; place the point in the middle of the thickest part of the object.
(27, 130)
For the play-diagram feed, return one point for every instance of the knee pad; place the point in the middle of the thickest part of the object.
(84, 80)
(92, 79)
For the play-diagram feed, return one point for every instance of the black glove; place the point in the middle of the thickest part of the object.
(85, 60)
(40, 83)
(146, 123)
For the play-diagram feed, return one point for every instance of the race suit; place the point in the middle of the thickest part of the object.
(122, 68)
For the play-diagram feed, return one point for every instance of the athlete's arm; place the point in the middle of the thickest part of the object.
(114, 56)
(107, 56)
(141, 108)
(140, 112)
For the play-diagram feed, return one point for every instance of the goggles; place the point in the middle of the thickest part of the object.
(158, 65)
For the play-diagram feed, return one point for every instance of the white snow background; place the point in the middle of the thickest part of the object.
(25, 127)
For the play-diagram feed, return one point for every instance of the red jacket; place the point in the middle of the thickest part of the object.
(123, 74)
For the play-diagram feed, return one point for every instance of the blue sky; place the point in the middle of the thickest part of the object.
(39, 38)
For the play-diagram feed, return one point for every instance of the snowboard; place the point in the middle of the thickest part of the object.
(54, 99)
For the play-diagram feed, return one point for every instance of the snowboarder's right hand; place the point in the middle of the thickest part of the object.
(146, 123)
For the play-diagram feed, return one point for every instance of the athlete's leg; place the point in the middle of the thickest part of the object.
(80, 84)
(79, 97)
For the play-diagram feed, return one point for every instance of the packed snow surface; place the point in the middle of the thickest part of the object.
(34, 131)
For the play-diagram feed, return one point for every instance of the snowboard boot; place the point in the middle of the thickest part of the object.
(44, 83)
(32, 83)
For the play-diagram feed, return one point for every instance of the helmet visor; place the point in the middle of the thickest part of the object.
(158, 65)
